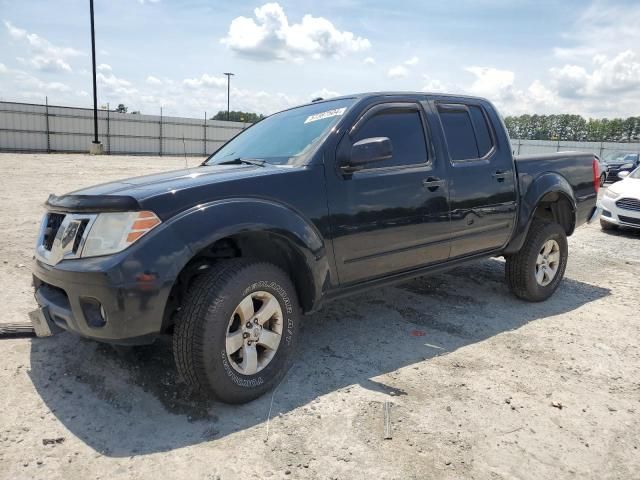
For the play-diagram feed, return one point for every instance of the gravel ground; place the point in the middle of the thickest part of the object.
(482, 385)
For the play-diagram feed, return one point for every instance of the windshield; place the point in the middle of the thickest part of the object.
(284, 138)
(635, 174)
(620, 157)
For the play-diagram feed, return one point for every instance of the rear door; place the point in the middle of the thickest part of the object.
(482, 188)
(393, 215)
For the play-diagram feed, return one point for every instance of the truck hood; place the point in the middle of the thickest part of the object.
(629, 187)
(151, 185)
(167, 192)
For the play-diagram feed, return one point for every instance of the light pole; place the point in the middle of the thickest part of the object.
(229, 75)
(96, 146)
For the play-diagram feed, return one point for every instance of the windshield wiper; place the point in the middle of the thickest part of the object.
(240, 160)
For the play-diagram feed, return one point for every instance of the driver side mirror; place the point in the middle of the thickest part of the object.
(369, 150)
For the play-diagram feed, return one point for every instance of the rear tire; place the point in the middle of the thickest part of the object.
(223, 311)
(604, 225)
(535, 272)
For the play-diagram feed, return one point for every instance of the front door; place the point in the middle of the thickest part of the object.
(392, 215)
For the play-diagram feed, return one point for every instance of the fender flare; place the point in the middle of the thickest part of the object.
(534, 191)
(201, 226)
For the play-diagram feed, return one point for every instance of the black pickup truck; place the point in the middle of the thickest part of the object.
(310, 204)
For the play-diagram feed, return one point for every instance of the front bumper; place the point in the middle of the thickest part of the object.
(79, 297)
(615, 215)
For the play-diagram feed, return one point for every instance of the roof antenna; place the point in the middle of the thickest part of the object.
(318, 99)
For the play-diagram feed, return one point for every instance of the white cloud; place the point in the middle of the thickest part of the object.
(3, 68)
(112, 85)
(45, 55)
(151, 80)
(609, 76)
(402, 71)
(435, 86)
(602, 27)
(205, 80)
(104, 67)
(369, 61)
(270, 36)
(491, 82)
(398, 71)
(324, 93)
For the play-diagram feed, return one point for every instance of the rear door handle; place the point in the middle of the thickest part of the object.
(500, 175)
(433, 183)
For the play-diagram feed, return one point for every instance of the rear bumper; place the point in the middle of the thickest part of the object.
(89, 303)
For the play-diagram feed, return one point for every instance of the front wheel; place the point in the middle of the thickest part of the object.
(535, 272)
(236, 333)
(603, 178)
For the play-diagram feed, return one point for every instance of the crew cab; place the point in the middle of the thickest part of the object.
(308, 205)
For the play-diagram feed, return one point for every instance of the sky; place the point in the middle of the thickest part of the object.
(570, 56)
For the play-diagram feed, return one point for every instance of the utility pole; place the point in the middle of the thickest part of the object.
(96, 146)
(229, 75)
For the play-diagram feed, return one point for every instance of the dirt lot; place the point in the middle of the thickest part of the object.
(473, 374)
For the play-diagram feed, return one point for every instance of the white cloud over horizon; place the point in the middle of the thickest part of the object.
(284, 56)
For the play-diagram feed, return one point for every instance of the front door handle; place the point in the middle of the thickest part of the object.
(433, 183)
(500, 175)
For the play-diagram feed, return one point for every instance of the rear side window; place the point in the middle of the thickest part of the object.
(466, 131)
(404, 129)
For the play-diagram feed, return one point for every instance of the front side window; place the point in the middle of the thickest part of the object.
(405, 130)
(285, 137)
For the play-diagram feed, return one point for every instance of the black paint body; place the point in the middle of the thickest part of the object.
(353, 230)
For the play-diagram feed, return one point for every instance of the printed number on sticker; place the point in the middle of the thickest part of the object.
(336, 112)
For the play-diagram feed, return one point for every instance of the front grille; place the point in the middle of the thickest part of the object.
(54, 220)
(631, 220)
(629, 204)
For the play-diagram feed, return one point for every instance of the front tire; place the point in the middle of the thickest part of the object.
(236, 333)
(603, 179)
(535, 272)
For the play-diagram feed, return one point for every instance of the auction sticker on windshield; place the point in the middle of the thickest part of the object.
(336, 112)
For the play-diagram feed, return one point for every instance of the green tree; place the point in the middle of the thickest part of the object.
(122, 108)
(236, 116)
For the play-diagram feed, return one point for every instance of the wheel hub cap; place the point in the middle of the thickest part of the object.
(547, 263)
(254, 332)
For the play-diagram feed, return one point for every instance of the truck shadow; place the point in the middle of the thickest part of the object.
(133, 403)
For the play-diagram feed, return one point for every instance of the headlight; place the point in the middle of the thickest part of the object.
(113, 232)
(611, 194)
(627, 165)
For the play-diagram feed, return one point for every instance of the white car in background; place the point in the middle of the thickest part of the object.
(621, 202)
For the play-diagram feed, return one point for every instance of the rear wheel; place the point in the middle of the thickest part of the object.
(237, 330)
(535, 272)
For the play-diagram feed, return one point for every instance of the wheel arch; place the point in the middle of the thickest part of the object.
(250, 228)
(549, 197)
